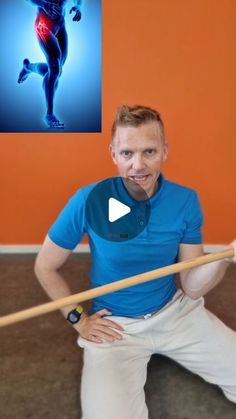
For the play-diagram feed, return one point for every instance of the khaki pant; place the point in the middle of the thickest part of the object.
(114, 374)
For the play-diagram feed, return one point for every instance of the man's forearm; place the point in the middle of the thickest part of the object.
(198, 281)
(55, 287)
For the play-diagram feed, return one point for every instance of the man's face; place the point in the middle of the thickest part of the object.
(139, 153)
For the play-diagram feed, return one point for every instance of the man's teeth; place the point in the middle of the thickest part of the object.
(139, 177)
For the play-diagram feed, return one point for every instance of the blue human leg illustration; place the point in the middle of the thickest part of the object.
(52, 37)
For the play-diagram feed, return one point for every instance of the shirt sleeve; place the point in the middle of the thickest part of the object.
(192, 233)
(69, 227)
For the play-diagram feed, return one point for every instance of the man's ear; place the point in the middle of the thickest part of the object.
(166, 151)
(112, 152)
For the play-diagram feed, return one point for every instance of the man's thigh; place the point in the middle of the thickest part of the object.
(204, 344)
(113, 379)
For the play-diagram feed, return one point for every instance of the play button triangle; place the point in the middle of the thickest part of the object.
(116, 209)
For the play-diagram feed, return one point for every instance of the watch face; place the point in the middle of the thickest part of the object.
(73, 317)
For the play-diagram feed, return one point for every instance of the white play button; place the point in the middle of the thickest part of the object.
(116, 209)
(113, 214)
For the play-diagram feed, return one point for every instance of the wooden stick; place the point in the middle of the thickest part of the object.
(114, 286)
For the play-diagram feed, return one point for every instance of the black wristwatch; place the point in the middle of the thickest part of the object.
(74, 315)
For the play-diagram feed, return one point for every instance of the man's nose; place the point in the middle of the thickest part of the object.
(138, 162)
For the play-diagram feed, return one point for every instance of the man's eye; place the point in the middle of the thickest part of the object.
(150, 152)
(126, 153)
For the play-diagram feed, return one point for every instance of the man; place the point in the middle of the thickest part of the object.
(52, 37)
(125, 328)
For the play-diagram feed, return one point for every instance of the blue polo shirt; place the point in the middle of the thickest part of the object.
(175, 218)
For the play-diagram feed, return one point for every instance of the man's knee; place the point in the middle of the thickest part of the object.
(54, 66)
(230, 393)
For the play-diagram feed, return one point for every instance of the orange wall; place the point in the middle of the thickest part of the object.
(175, 55)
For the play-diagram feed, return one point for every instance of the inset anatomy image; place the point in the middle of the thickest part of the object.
(52, 37)
(50, 66)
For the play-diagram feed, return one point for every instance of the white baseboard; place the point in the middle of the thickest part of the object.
(35, 248)
(81, 248)
(211, 248)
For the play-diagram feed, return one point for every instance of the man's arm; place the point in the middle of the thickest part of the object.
(77, 3)
(198, 281)
(77, 9)
(49, 260)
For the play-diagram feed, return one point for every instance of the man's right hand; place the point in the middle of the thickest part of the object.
(77, 15)
(97, 328)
